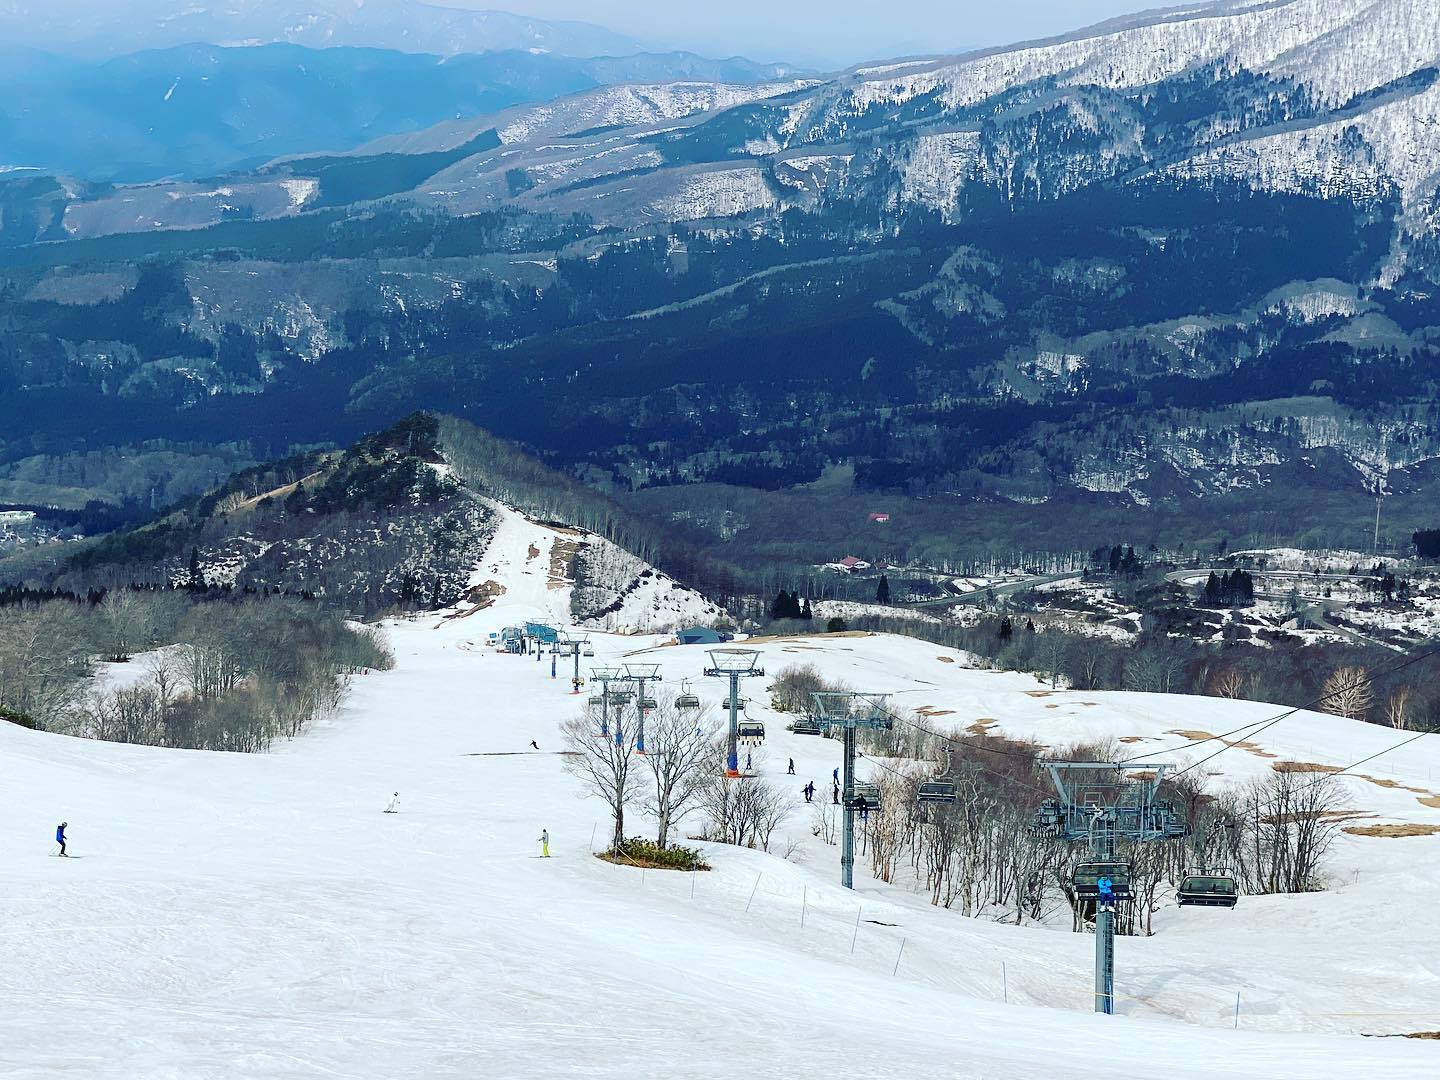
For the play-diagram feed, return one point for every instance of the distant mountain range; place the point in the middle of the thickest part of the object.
(96, 28)
(201, 110)
(1190, 256)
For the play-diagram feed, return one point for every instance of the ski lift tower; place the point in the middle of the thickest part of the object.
(640, 674)
(1099, 803)
(733, 664)
(848, 713)
(573, 647)
(605, 676)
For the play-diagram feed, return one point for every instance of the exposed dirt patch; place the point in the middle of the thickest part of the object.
(1039, 693)
(1304, 767)
(1193, 736)
(982, 726)
(562, 559)
(1392, 830)
(1134, 739)
(928, 711)
(1052, 706)
(1432, 801)
(945, 659)
(479, 597)
(533, 552)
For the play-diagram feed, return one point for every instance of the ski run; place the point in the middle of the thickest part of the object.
(229, 916)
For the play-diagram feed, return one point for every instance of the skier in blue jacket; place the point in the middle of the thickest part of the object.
(60, 835)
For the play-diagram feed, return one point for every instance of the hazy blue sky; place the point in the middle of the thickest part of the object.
(840, 31)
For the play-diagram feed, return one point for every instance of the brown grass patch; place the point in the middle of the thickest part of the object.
(1392, 830)
(760, 639)
(1422, 1035)
(1432, 801)
(1193, 736)
(1038, 693)
(1380, 781)
(982, 726)
(1133, 738)
(1304, 767)
(928, 711)
(945, 659)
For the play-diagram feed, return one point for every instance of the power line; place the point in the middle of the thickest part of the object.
(1265, 724)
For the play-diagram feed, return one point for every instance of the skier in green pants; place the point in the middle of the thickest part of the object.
(544, 843)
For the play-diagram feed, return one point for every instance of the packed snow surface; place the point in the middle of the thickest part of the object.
(259, 916)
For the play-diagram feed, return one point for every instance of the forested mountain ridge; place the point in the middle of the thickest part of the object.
(1173, 258)
(397, 521)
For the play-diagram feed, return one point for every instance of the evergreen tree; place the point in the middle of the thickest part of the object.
(1007, 629)
(780, 608)
(805, 612)
(836, 626)
(882, 591)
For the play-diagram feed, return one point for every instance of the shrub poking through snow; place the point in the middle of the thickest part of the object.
(637, 851)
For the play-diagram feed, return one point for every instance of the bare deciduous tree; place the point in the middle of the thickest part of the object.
(1397, 707)
(742, 812)
(1347, 692)
(1232, 682)
(680, 748)
(605, 765)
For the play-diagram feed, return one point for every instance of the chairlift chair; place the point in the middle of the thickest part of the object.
(865, 800)
(588, 650)
(750, 731)
(806, 725)
(621, 697)
(940, 789)
(1208, 890)
(597, 701)
(687, 701)
(1089, 876)
(936, 791)
(648, 703)
(740, 704)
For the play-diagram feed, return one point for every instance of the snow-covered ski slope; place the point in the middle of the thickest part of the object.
(528, 565)
(259, 916)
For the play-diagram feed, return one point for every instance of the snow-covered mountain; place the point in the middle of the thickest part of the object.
(1331, 97)
(90, 28)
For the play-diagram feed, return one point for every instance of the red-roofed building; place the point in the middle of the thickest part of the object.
(880, 518)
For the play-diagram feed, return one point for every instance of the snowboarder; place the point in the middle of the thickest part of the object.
(60, 835)
(544, 843)
(835, 776)
(534, 745)
(394, 807)
(792, 767)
